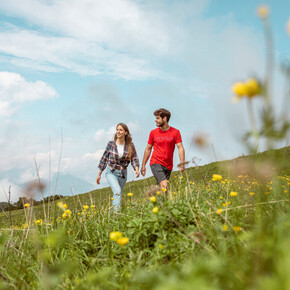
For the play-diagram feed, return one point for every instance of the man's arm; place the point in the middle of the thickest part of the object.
(181, 155)
(146, 156)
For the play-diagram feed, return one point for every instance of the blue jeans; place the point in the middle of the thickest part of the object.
(117, 184)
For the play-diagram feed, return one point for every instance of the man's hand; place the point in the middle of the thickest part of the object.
(143, 170)
(181, 168)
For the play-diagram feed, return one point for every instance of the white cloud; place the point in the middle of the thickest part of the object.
(4, 190)
(14, 89)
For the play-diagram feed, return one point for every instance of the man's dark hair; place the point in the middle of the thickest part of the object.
(163, 113)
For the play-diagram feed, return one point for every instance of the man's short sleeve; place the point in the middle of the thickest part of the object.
(178, 137)
(151, 138)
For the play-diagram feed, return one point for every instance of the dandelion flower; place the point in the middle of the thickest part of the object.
(114, 236)
(155, 209)
(219, 211)
(237, 229)
(233, 193)
(216, 177)
(38, 222)
(93, 206)
(263, 11)
(65, 206)
(153, 198)
(163, 189)
(112, 198)
(158, 192)
(130, 194)
(85, 207)
(122, 241)
(225, 228)
(253, 88)
(251, 193)
(27, 205)
(239, 89)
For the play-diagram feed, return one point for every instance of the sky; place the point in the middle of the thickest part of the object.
(70, 71)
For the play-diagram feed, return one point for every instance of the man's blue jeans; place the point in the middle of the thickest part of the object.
(117, 184)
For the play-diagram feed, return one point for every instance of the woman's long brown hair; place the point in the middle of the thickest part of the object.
(128, 141)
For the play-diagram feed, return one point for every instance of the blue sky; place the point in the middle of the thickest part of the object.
(81, 67)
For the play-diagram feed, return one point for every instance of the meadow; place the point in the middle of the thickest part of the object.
(220, 226)
(225, 225)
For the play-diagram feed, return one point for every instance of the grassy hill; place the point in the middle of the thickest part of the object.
(228, 232)
(102, 197)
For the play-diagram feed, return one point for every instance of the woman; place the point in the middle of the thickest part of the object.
(118, 154)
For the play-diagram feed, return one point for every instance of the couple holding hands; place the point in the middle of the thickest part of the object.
(121, 151)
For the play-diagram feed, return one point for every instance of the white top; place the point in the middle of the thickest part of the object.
(120, 150)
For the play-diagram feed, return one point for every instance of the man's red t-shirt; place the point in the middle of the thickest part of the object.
(164, 145)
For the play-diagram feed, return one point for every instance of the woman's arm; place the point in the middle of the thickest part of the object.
(103, 162)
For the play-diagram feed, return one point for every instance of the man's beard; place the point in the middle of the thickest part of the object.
(160, 124)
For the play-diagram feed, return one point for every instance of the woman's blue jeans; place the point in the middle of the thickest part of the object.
(117, 184)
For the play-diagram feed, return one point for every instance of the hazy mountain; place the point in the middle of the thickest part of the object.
(64, 184)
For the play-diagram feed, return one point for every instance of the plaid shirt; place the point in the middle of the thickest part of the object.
(111, 158)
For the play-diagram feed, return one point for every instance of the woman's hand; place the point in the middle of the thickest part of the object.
(137, 172)
(98, 180)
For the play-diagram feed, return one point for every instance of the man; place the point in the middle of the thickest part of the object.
(163, 140)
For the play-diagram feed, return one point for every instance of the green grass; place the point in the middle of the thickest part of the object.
(186, 245)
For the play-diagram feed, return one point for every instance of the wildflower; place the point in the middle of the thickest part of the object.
(155, 209)
(38, 222)
(27, 205)
(251, 193)
(237, 229)
(160, 247)
(221, 197)
(158, 192)
(153, 198)
(112, 198)
(122, 241)
(114, 236)
(85, 207)
(225, 228)
(253, 88)
(233, 193)
(216, 177)
(65, 206)
(267, 192)
(61, 205)
(228, 202)
(93, 206)
(164, 189)
(263, 11)
(219, 211)
(130, 194)
(285, 191)
(239, 89)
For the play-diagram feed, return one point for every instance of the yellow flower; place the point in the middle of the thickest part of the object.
(160, 247)
(263, 11)
(27, 205)
(221, 197)
(233, 193)
(225, 228)
(219, 211)
(65, 206)
(216, 177)
(251, 193)
(228, 202)
(239, 89)
(153, 198)
(130, 194)
(163, 189)
(85, 207)
(114, 236)
(155, 209)
(267, 192)
(61, 205)
(237, 228)
(158, 192)
(68, 212)
(122, 241)
(93, 206)
(112, 198)
(253, 88)
(38, 222)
